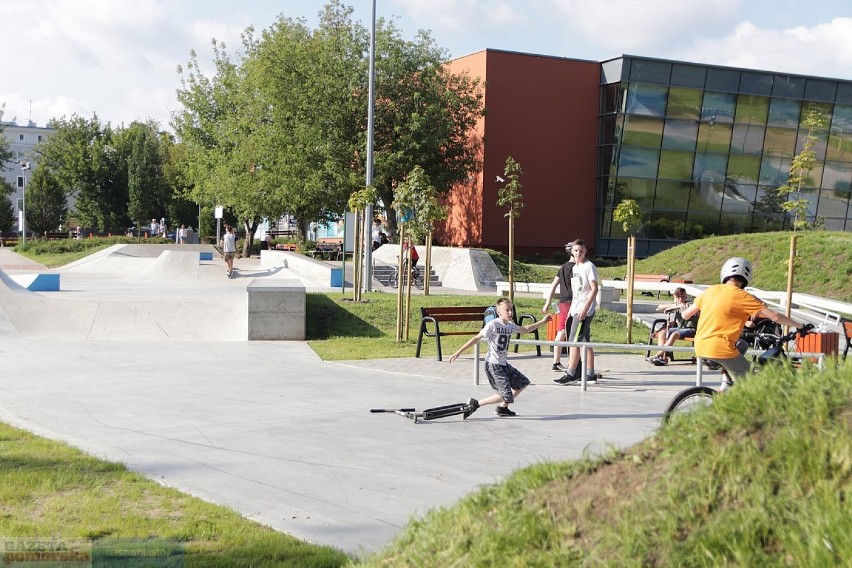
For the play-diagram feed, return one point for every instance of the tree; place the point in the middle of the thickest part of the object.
(81, 156)
(47, 203)
(7, 213)
(510, 196)
(629, 214)
(800, 171)
(146, 185)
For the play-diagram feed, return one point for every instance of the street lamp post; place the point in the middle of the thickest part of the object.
(24, 167)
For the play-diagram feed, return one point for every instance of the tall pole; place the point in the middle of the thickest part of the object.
(24, 167)
(368, 211)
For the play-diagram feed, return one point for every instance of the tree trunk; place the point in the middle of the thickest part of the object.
(251, 228)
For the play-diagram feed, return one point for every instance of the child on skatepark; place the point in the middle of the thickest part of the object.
(506, 380)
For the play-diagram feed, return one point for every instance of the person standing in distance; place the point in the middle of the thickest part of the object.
(563, 281)
(584, 284)
(724, 310)
(229, 248)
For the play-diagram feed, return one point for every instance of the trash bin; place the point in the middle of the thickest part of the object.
(826, 342)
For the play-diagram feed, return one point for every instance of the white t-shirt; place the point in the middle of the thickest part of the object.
(498, 335)
(229, 242)
(583, 275)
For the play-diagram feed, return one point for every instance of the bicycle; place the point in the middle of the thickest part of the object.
(699, 397)
(416, 278)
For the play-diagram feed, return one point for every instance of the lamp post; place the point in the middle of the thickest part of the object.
(24, 167)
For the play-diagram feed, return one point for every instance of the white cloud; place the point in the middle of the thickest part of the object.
(823, 49)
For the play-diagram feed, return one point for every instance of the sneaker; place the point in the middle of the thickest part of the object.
(566, 379)
(592, 379)
(659, 361)
(472, 405)
(725, 385)
(504, 412)
(559, 367)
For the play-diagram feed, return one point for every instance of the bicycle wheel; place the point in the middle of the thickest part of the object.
(392, 282)
(688, 400)
(418, 279)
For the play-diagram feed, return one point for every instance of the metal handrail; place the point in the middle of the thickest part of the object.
(699, 372)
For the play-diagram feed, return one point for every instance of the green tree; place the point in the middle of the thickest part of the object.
(510, 196)
(82, 157)
(7, 212)
(146, 185)
(800, 171)
(47, 203)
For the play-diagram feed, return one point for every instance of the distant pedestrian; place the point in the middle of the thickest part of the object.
(229, 248)
(562, 280)
(182, 235)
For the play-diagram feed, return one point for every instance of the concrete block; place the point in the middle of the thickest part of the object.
(276, 311)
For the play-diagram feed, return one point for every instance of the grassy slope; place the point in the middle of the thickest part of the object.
(762, 478)
(825, 262)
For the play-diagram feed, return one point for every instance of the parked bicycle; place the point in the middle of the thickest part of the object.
(699, 397)
(416, 277)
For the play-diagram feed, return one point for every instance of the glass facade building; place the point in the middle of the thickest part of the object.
(703, 149)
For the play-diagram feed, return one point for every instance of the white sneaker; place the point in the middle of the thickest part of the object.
(725, 386)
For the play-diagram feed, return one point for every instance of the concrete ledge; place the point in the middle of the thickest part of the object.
(316, 272)
(38, 282)
(524, 287)
(276, 312)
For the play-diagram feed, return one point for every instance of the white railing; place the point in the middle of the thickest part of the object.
(699, 372)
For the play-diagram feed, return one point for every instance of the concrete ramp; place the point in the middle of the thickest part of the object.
(169, 267)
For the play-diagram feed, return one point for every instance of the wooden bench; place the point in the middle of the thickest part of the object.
(657, 326)
(650, 278)
(285, 246)
(439, 315)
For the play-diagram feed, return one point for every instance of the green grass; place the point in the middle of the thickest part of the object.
(48, 489)
(761, 478)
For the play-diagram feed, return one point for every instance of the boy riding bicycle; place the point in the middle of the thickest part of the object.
(724, 310)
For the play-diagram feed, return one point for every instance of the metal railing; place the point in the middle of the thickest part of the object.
(699, 372)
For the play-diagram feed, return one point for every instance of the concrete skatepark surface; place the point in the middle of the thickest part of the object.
(269, 429)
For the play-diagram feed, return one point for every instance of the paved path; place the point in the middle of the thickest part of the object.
(270, 430)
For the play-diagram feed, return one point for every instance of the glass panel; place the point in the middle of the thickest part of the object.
(701, 222)
(609, 104)
(688, 75)
(714, 137)
(752, 109)
(837, 176)
(611, 70)
(756, 83)
(747, 139)
(723, 79)
(743, 169)
(650, 71)
(780, 142)
(669, 225)
(821, 109)
(636, 162)
(646, 99)
(718, 107)
(608, 130)
(735, 223)
(840, 134)
(844, 93)
(832, 205)
(640, 190)
(787, 86)
(643, 131)
(768, 206)
(710, 168)
(784, 112)
(820, 90)
(774, 171)
(680, 135)
(684, 103)
(673, 195)
(819, 144)
(675, 165)
(739, 199)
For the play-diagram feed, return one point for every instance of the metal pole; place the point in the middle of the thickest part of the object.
(24, 167)
(368, 212)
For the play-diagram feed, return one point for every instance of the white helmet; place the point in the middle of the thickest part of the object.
(736, 266)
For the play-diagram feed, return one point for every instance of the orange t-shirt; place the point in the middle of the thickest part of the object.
(724, 311)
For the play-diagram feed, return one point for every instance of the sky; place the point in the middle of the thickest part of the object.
(118, 59)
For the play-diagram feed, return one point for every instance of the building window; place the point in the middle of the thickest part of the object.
(20, 137)
(20, 182)
(39, 137)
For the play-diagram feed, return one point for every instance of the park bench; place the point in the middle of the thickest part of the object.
(650, 278)
(437, 316)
